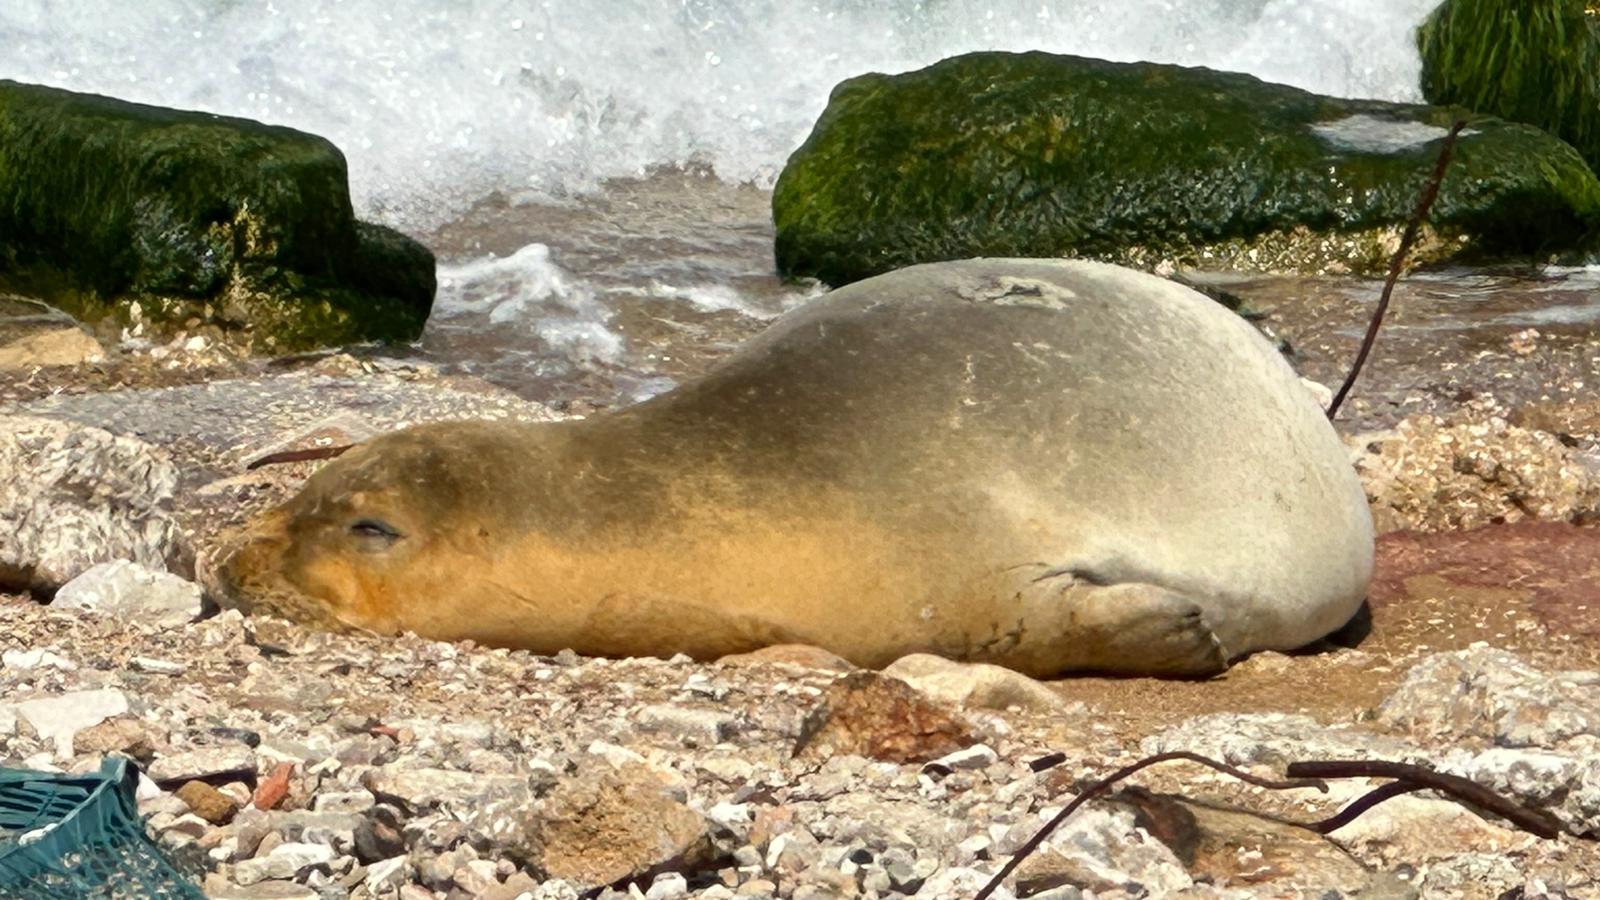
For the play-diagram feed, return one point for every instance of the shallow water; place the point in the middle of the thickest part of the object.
(620, 295)
(595, 177)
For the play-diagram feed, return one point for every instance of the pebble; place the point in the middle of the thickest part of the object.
(207, 802)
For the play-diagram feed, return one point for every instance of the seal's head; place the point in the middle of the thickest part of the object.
(378, 540)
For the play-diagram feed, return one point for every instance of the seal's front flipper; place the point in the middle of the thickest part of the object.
(1126, 629)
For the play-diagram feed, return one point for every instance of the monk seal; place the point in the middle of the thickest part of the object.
(1050, 465)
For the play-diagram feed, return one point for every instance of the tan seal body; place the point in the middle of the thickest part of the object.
(1050, 465)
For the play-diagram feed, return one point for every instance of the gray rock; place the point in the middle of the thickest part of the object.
(698, 727)
(494, 809)
(73, 496)
(1583, 804)
(422, 788)
(286, 861)
(336, 830)
(344, 801)
(1418, 829)
(439, 873)
(132, 592)
(1531, 776)
(1274, 739)
(1491, 694)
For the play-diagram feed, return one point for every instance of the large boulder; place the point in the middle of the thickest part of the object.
(1533, 61)
(73, 496)
(155, 217)
(1033, 154)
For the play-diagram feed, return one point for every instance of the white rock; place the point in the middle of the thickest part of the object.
(476, 877)
(974, 685)
(34, 659)
(286, 861)
(386, 875)
(978, 756)
(202, 763)
(266, 890)
(1419, 829)
(130, 591)
(57, 719)
(344, 802)
(1528, 775)
(189, 825)
(158, 666)
(669, 886)
(72, 496)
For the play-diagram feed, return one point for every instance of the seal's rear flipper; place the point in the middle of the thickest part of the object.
(1133, 628)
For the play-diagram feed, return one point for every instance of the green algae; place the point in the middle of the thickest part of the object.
(1034, 154)
(1532, 61)
(140, 213)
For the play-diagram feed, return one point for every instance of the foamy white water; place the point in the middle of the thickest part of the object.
(439, 103)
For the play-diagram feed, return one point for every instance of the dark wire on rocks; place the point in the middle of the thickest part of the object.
(1310, 774)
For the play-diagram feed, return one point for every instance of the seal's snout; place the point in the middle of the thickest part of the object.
(252, 578)
(247, 571)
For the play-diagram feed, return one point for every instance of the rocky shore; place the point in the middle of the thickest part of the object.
(281, 763)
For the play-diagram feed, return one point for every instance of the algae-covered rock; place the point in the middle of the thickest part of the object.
(159, 216)
(1033, 154)
(1533, 61)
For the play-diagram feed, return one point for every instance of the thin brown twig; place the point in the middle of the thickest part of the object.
(1408, 779)
(1429, 194)
(1105, 784)
(1361, 804)
(288, 456)
(1533, 821)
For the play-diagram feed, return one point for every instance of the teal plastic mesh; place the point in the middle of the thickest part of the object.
(79, 837)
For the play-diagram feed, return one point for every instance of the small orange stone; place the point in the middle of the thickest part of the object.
(273, 788)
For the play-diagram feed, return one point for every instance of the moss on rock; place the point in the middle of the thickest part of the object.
(1533, 61)
(1033, 154)
(144, 214)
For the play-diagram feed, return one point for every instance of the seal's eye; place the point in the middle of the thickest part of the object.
(375, 530)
